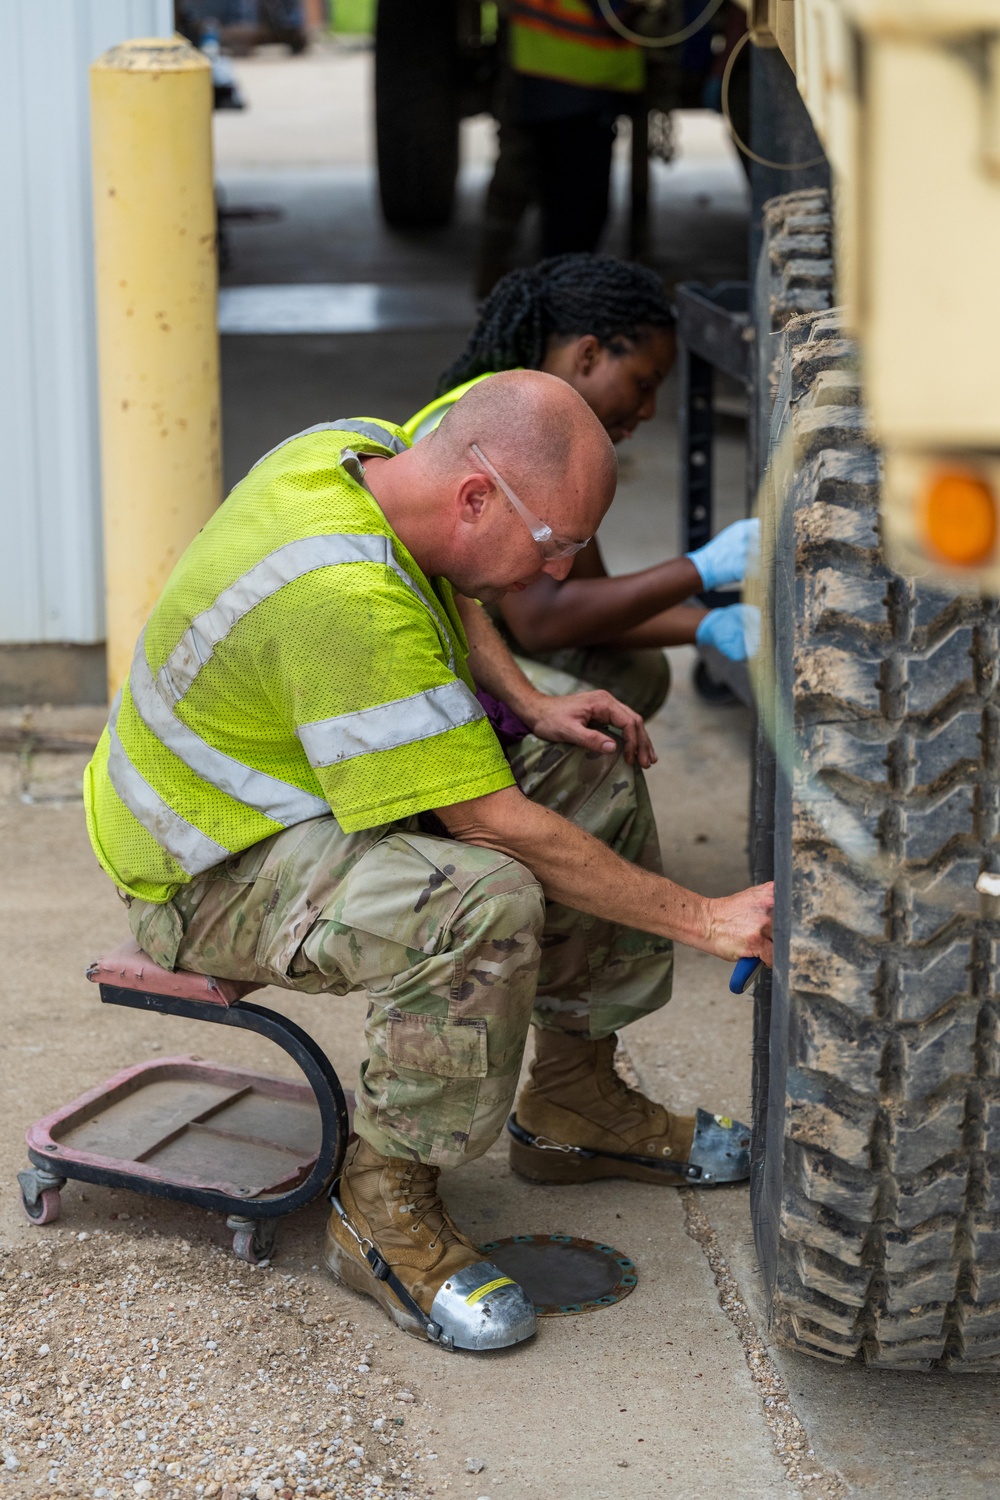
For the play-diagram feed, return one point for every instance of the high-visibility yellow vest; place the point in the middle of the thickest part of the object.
(428, 417)
(568, 41)
(298, 662)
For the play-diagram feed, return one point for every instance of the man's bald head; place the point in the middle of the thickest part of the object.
(543, 438)
(447, 508)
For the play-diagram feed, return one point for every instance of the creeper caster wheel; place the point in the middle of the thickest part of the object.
(40, 1195)
(253, 1239)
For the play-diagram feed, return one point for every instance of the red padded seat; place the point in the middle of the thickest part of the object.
(130, 969)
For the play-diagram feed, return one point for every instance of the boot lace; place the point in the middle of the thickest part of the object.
(630, 1098)
(417, 1183)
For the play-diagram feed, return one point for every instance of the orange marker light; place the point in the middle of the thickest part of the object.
(960, 518)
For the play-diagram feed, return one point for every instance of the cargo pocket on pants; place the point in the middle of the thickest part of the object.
(436, 1065)
(436, 1044)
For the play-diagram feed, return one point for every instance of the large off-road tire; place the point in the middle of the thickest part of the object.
(417, 110)
(794, 275)
(877, 1207)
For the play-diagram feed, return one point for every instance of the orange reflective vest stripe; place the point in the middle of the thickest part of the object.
(568, 41)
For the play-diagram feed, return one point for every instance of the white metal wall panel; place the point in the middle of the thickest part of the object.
(50, 524)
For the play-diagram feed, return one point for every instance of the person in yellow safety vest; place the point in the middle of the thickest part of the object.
(571, 77)
(606, 327)
(299, 786)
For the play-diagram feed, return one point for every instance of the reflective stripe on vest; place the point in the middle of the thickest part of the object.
(566, 40)
(280, 801)
(193, 850)
(153, 696)
(285, 565)
(373, 430)
(389, 725)
(283, 802)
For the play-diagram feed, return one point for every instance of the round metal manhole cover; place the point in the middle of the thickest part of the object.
(564, 1275)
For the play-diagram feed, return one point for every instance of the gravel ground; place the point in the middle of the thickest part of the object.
(157, 1369)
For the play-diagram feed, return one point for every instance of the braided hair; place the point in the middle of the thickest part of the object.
(564, 297)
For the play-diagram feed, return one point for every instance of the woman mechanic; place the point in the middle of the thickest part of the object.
(607, 328)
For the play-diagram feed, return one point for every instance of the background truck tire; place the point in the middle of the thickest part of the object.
(417, 111)
(877, 1203)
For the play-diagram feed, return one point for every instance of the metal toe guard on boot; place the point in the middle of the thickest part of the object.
(479, 1308)
(720, 1152)
(721, 1148)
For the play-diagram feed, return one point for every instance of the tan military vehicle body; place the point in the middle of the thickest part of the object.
(905, 98)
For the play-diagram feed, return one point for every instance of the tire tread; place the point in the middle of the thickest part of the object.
(889, 1235)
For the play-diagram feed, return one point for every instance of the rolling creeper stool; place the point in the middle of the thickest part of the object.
(244, 1144)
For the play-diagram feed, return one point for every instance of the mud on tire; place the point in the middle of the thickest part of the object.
(794, 275)
(877, 1201)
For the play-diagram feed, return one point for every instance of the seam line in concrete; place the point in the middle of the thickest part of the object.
(787, 1432)
(788, 1435)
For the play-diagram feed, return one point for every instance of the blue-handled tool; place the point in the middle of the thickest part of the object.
(743, 975)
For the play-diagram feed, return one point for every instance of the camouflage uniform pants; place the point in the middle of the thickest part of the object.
(454, 945)
(640, 678)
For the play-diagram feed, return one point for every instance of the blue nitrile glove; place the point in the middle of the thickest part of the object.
(733, 631)
(724, 560)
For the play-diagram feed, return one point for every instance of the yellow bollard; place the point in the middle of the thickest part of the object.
(158, 346)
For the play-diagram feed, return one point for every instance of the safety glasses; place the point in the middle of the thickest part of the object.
(549, 545)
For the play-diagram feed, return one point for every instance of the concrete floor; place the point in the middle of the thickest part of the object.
(675, 1392)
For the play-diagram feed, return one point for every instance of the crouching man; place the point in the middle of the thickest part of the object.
(299, 786)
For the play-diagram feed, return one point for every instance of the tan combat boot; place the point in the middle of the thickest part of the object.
(577, 1120)
(391, 1238)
